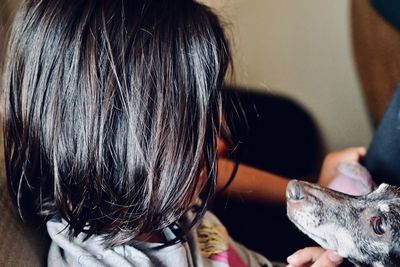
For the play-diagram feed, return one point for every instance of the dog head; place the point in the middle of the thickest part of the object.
(364, 229)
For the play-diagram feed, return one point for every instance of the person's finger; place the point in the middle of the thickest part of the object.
(362, 151)
(352, 154)
(357, 152)
(328, 259)
(332, 160)
(304, 256)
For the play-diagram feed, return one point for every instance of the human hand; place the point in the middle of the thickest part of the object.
(314, 257)
(331, 162)
(353, 179)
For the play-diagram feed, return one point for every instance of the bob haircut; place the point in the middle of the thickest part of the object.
(112, 110)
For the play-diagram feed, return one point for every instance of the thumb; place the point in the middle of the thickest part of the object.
(328, 259)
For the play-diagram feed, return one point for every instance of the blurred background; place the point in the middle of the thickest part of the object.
(303, 50)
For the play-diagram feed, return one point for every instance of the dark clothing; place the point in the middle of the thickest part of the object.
(389, 10)
(383, 156)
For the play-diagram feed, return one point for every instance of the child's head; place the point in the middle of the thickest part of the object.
(111, 111)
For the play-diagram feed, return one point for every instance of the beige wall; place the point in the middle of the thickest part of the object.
(301, 49)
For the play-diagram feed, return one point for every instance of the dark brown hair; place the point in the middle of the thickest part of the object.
(112, 109)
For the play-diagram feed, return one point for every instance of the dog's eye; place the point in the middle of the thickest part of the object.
(378, 225)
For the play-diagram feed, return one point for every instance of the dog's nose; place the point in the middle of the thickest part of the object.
(294, 191)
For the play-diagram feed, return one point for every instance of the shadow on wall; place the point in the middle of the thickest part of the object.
(274, 133)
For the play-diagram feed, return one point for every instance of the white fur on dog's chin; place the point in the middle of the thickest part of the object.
(326, 235)
(332, 234)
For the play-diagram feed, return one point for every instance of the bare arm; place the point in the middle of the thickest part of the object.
(258, 185)
(251, 183)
